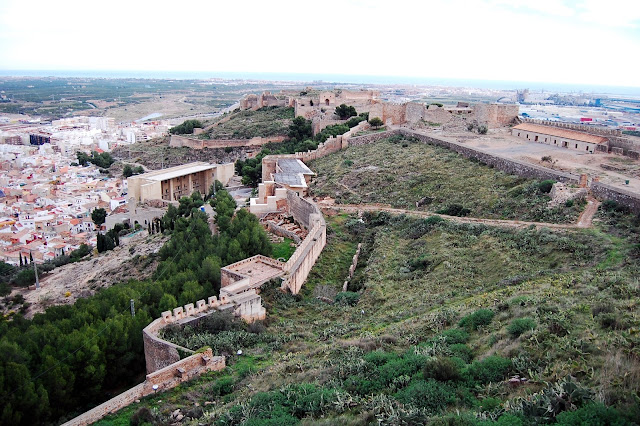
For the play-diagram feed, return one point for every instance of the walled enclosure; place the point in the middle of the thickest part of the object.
(160, 360)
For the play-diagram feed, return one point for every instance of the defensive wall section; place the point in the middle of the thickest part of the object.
(300, 263)
(504, 164)
(627, 198)
(195, 143)
(160, 380)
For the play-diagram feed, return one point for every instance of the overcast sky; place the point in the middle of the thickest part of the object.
(583, 42)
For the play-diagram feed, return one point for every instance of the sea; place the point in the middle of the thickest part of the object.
(335, 78)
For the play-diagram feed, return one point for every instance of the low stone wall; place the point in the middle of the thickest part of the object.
(608, 192)
(194, 143)
(578, 127)
(183, 370)
(166, 378)
(159, 353)
(283, 232)
(371, 138)
(300, 263)
(504, 164)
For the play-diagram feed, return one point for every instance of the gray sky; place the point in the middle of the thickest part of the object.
(582, 42)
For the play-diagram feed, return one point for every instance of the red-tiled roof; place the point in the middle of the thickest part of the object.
(561, 133)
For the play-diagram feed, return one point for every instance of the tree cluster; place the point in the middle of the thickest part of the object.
(68, 358)
(186, 128)
(345, 111)
(128, 171)
(300, 129)
(102, 160)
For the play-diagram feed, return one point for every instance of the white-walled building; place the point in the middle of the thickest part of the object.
(555, 136)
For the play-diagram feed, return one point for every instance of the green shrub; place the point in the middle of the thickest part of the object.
(347, 298)
(479, 318)
(429, 395)
(221, 387)
(614, 206)
(491, 369)
(519, 326)
(142, 416)
(454, 210)
(454, 336)
(591, 414)
(545, 186)
(441, 369)
(611, 321)
(461, 351)
(508, 420)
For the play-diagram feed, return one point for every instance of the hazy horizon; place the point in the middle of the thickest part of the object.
(588, 43)
(330, 79)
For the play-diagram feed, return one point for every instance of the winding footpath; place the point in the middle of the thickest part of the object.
(584, 221)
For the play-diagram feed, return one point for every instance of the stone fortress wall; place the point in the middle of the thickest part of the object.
(164, 367)
(194, 143)
(160, 380)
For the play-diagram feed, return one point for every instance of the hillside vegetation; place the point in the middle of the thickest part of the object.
(402, 172)
(267, 121)
(443, 323)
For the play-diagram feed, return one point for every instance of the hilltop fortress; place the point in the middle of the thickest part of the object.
(319, 107)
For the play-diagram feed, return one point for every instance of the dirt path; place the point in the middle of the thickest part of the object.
(585, 220)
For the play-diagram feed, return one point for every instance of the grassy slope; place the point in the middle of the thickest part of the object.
(264, 122)
(580, 288)
(559, 280)
(400, 173)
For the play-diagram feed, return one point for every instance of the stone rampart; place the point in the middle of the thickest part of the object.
(163, 379)
(301, 209)
(194, 143)
(283, 232)
(579, 127)
(608, 192)
(159, 353)
(300, 263)
(507, 165)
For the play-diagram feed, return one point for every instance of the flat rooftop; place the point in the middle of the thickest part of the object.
(173, 172)
(258, 268)
(291, 165)
(290, 179)
(183, 172)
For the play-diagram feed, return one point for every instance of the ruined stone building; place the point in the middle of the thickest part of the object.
(280, 175)
(560, 137)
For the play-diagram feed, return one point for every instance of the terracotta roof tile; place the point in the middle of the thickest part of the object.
(561, 133)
